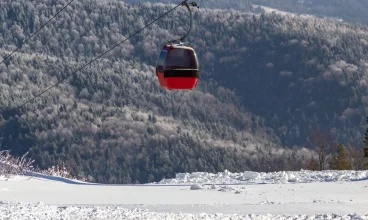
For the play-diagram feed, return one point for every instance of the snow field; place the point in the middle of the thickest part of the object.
(225, 195)
(45, 212)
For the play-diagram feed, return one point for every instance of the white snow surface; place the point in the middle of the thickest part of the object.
(225, 195)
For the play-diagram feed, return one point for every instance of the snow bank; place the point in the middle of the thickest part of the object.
(42, 211)
(248, 177)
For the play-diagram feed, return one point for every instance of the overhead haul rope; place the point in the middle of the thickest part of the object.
(96, 58)
(8, 56)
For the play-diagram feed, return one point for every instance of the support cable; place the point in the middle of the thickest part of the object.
(98, 57)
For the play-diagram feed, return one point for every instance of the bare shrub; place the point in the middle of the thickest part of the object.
(10, 165)
(58, 170)
(13, 166)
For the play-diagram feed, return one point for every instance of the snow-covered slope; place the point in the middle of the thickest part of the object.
(283, 195)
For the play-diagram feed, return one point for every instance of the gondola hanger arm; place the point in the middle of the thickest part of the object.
(186, 4)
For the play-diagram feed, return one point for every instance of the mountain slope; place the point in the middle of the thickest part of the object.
(349, 11)
(243, 5)
(298, 72)
(112, 128)
(112, 122)
(266, 81)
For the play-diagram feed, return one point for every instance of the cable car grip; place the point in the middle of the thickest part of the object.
(186, 4)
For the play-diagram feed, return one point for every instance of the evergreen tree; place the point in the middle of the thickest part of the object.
(341, 160)
(366, 136)
(366, 145)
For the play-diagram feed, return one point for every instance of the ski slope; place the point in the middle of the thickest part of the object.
(226, 195)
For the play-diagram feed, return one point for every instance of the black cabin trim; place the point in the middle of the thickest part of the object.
(181, 73)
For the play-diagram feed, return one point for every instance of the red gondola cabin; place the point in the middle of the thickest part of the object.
(177, 67)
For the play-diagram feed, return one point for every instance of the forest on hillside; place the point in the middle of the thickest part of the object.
(241, 5)
(353, 11)
(349, 11)
(266, 82)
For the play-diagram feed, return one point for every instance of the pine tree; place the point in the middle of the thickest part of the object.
(341, 160)
(366, 143)
(366, 135)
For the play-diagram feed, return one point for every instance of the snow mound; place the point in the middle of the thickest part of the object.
(196, 187)
(249, 177)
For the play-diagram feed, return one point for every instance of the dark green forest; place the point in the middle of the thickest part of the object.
(267, 81)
